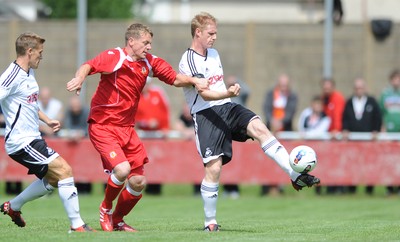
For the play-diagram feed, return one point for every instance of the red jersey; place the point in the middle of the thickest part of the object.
(334, 108)
(153, 105)
(116, 99)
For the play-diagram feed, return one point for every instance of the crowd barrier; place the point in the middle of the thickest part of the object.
(352, 162)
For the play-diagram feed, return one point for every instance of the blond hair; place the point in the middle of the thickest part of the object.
(27, 40)
(201, 20)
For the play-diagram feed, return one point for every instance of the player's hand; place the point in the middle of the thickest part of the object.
(305, 180)
(54, 124)
(202, 84)
(75, 85)
(234, 90)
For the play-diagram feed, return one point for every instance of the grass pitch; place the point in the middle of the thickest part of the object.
(178, 216)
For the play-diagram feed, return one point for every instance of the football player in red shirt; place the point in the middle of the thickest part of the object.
(123, 74)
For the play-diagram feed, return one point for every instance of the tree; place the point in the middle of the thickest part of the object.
(106, 9)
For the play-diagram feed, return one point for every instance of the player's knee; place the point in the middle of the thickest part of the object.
(137, 183)
(122, 170)
(258, 130)
(58, 169)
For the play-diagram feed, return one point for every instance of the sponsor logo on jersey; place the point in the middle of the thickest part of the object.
(216, 78)
(111, 52)
(33, 98)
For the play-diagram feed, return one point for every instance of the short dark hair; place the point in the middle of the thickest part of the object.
(136, 30)
(394, 73)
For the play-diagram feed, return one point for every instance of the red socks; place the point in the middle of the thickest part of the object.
(125, 204)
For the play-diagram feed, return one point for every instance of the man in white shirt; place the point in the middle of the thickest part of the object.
(218, 121)
(19, 93)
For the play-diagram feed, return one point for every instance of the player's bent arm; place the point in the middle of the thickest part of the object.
(232, 91)
(184, 81)
(43, 117)
(52, 123)
(76, 83)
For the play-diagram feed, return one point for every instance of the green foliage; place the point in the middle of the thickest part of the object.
(103, 9)
(178, 216)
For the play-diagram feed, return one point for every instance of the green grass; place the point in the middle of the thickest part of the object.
(178, 216)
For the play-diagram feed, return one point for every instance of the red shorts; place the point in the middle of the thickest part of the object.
(118, 144)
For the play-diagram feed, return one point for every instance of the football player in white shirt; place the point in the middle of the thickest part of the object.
(218, 121)
(18, 97)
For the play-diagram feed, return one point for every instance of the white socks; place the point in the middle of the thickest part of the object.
(35, 190)
(209, 193)
(274, 150)
(69, 196)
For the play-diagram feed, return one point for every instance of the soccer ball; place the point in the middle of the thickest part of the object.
(303, 159)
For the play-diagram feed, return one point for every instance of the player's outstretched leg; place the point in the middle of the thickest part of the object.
(305, 180)
(15, 215)
(35, 190)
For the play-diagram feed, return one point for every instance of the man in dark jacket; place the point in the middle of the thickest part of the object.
(361, 114)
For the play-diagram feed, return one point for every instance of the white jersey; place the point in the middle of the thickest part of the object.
(210, 66)
(18, 98)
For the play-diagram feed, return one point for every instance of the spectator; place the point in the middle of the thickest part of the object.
(361, 114)
(52, 107)
(279, 107)
(313, 122)
(333, 107)
(75, 119)
(153, 116)
(76, 128)
(184, 124)
(390, 107)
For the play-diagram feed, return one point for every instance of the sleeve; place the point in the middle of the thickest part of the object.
(183, 65)
(377, 119)
(164, 119)
(162, 69)
(290, 109)
(268, 106)
(301, 120)
(382, 104)
(346, 116)
(339, 103)
(6, 90)
(323, 125)
(106, 61)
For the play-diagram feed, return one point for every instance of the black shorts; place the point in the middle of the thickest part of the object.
(217, 126)
(36, 157)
